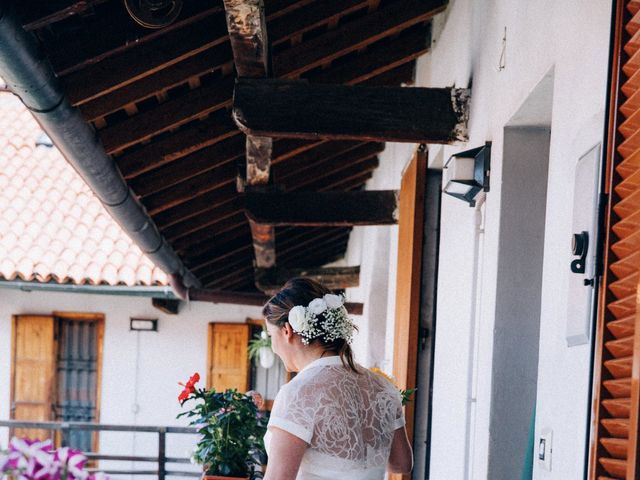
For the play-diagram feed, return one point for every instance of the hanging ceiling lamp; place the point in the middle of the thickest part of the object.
(153, 13)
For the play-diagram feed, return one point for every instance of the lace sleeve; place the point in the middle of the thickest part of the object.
(294, 411)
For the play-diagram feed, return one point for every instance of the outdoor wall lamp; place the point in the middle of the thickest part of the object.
(467, 173)
(143, 324)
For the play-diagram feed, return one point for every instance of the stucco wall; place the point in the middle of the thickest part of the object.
(541, 37)
(568, 42)
(140, 370)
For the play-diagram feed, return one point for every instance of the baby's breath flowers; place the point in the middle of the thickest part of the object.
(325, 318)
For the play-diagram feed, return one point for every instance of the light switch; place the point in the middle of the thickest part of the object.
(545, 449)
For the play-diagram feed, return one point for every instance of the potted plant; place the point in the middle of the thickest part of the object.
(231, 430)
(260, 349)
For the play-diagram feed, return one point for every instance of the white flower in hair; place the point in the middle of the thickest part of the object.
(317, 306)
(297, 318)
(333, 301)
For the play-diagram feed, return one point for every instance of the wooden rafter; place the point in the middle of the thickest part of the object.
(334, 278)
(416, 115)
(323, 209)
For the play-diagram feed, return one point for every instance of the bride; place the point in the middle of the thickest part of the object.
(335, 419)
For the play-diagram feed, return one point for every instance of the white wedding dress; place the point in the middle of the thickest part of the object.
(348, 420)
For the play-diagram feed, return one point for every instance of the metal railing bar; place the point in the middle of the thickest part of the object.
(94, 427)
(127, 458)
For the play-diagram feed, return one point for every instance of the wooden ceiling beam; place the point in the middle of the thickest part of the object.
(199, 240)
(196, 103)
(354, 183)
(236, 268)
(199, 222)
(52, 13)
(355, 35)
(333, 278)
(402, 75)
(75, 45)
(323, 209)
(313, 16)
(191, 188)
(321, 154)
(200, 134)
(145, 59)
(415, 115)
(379, 58)
(323, 183)
(202, 203)
(208, 61)
(294, 177)
(187, 167)
(247, 28)
(203, 244)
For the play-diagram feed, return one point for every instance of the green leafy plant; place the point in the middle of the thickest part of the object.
(259, 340)
(231, 430)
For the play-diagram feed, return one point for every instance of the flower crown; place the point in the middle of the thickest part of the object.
(333, 324)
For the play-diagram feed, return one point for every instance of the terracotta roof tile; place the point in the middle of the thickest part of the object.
(52, 227)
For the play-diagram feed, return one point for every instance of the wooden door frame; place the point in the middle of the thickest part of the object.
(407, 318)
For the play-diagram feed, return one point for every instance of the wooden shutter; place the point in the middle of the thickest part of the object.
(407, 318)
(614, 447)
(228, 357)
(33, 371)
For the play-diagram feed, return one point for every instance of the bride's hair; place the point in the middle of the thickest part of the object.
(301, 291)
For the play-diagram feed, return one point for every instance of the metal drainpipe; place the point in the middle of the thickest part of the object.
(26, 71)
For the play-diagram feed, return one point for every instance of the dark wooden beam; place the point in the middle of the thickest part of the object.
(50, 13)
(334, 278)
(188, 167)
(163, 51)
(323, 209)
(354, 36)
(247, 28)
(199, 222)
(300, 175)
(169, 306)
(417, 115)
(338, 175)
(379, 58)
(208, 61)
(264, 244)
(202, 238)
(195, 104)
(190, 188)
(188, 139)
(200, 204)
(246, 24)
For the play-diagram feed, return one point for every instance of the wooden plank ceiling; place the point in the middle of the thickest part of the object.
(160, 101)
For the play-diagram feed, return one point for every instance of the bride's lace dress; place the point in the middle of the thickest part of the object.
(348, 420)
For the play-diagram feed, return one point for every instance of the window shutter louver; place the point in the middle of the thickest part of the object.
(617, 376)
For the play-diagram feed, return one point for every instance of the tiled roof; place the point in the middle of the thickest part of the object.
(52, 227)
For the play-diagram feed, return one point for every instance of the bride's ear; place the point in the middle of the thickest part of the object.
(288, 331)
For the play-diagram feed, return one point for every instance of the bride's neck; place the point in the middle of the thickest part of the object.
(309, 354)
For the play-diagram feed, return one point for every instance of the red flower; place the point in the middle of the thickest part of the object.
(189, 388)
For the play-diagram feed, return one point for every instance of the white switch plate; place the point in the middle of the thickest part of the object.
(544, 449)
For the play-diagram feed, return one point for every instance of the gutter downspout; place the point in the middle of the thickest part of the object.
(28, 74)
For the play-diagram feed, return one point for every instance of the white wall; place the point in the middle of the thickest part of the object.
(541, 36)
(140, 370)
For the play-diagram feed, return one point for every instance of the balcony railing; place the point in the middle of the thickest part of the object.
(161, 460)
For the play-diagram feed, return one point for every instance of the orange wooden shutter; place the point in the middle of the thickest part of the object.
(33, 371)
(615, 444)
(228, 358)
(407, 318)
